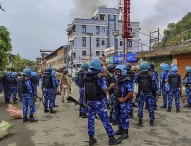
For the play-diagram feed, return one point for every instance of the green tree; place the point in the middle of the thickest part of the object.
(5, 46)
(177, 32)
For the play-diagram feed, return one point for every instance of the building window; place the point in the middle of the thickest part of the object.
(83, 28)
(103, 29)
(121, 43)
(103, 42)
(102, 17)
(97, 30)
(97, 42)
(83, 41)
(74, 54)
(97, 53)
(129, 43)
(102, 53)
(130, 30)
(83, 53)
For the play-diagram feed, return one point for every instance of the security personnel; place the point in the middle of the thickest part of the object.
(56, 82)
(6, 87)
(95, 91)
(48, 87)
(131, 75)
(146, 86)
(13, 86)
(110, 78)
(35, 83)
(175, 88)
(82, 73)
(187, 84)
(26, 95)
(164, 84)
(155, 75)
(123, 92)
(1, 83)
(65, 84)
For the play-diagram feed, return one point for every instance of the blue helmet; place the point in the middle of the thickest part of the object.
(53, 73)
(144, 66)
(188, 69)
(96, 64)
(27, 71)
(13, 74)
(165, 67)
(48, 70)
(174, 68)
(33, 74)
(85, 66)
(128, 66)
(7, 74)
(122, 68)
(151, 66)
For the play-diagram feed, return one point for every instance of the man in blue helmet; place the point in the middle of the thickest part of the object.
(175, 88)
(187, 84)
(155, 76)
(131, 75)
(6, 87)
(110, 78)
(56, 82)
(35, 84)
(13, 86)
(164, 84)
(147, 85)
(27, 96)
(95, 91)
(123, 91)
(48, 86)
(82, 73)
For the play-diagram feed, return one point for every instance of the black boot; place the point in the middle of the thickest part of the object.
(84, 116)
(134, 105)
(119, 131)
(25, 119)
(124, 135)
(169, 109)
(46, 111)
(114, 141)
(80, 114)
(177, 110)
(52, 111)
(92, 141)
(32, 119)
(55, 105)
(140, 124)
(114, 122)
(188, 105)
(164, 106)
(151, 123)
(131, 115)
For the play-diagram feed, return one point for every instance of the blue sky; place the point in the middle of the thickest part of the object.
(41, 24)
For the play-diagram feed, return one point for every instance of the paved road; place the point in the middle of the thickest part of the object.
(65, 128)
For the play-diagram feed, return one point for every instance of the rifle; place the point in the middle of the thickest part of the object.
(71, 99)
(41, 98)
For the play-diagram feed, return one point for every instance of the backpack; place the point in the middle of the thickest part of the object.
(13, 82)
(174, 80)
(131, 75)
(93, 91)
(34, 80)
(22, 86)
(145, 82)
(47, 82)
(81, 80)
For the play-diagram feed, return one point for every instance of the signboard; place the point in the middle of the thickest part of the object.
(130, 57)
(109, 50)
(109, 60)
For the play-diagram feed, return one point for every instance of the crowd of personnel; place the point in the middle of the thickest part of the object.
(99, 92)
(115, 91)
(25, 85)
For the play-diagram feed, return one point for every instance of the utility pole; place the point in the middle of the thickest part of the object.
(153, 39)
(90, 35)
